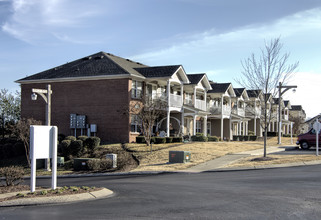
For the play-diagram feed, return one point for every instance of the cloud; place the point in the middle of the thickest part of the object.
(307, 94)
(211, 45)
(37, 20)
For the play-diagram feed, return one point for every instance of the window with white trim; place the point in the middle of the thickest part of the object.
(137, 89)
(135, 123)
(198, 127)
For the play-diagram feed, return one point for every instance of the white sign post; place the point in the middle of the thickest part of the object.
(317, 127)
(43, 145)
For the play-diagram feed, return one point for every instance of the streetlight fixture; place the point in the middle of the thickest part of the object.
(286, 88)
(46, 95)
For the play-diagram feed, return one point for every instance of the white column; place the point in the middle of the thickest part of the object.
(255, 126)
(205, 125)
(247, 127)
(194, 98)
(222, 123)
(168, 92)
(182, 122)
(168, 121)
(194, 124)
(182, 93)
(205, 99)
(291, 132)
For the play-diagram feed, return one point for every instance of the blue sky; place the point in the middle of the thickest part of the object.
(210, 36)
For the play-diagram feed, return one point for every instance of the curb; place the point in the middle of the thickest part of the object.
(57, 199)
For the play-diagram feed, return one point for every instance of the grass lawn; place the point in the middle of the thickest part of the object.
(200, 153)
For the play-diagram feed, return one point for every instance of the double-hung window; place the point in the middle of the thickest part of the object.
(135, 124)
(137, 89)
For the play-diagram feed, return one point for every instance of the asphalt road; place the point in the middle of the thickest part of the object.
(283, 193)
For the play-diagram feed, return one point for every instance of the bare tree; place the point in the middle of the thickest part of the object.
(22, 131)
(146, 112)
(264, 72)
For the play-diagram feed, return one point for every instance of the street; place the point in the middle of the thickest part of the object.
(283, 193)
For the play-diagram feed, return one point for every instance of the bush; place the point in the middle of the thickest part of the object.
(72, 138)
(213, 138)
(13, 175)
(160, 140)
(140, 140)
(177, 139)
(241, 138)
(61, 137)
(199, 138)
(253, 138)
(236, 138)
(100, 164)
(199, 134)
(246, 137)
(169, 139)
(92, 143)
(63, 148)
(82, 138)
(76, 148)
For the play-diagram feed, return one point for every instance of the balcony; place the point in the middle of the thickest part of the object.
(217, 110)
(200, 104)
(175, 100)
(285, 117)
(239, 111)
(250, 111)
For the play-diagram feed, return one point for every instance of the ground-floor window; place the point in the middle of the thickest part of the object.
(135, 124)
(209, 128)
(198, 127)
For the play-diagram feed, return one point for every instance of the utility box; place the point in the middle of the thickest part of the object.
(113, 158)
(81, 163)
(179, 156)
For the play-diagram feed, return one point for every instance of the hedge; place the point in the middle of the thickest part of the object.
(177, 139)
(169, 139)
(199, 138)
(160, 140)
(213, 138)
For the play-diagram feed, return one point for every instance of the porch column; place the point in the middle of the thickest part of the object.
(182, 122)
(194, 124)
(222, 123)
(255, 125)
(247, 127)
(244, 125)
(168, 93)
(205, 125)
(291, 126)
(168, 121)
(273, 129)
(205, 99)
(182, 94)
(194, 98)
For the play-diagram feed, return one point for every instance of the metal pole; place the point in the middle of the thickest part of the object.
(279, 119)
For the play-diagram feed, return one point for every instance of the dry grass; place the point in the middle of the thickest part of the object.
(277, 159)
(200, 153)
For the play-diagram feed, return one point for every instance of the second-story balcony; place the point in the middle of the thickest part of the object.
(200, 104)
(250, 111)
(285, 117)
(218, 110)
(174, 100)
(238, 111)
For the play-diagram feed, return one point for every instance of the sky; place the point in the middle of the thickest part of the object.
(205, 36)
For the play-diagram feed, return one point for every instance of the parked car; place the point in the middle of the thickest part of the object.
(308, 139)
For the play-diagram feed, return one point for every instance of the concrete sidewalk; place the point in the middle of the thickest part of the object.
(220, 162)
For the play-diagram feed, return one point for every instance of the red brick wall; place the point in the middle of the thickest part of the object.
(102, 101)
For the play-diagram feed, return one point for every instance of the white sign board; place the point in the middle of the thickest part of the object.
(41, 141)
(43, 144)
(317, 127)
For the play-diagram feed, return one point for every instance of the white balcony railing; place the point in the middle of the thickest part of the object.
(285, 117)
(200, 104)
(175, 100)
(217, 110)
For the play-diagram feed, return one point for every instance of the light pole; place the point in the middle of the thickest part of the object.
(286, 88)
(46, 95)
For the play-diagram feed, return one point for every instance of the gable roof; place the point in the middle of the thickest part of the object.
(296, 108)
(239, 91)
(158, 71)
(254, 93)
(96, 65)
(219, 87)
(195, 78)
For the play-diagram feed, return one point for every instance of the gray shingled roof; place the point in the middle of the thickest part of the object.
(195, 78)
(219, 87)
(296, 108)
(239, 91)
(158, 71)
(99, 64)
(253, 93)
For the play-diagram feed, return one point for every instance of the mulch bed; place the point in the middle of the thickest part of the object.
(44, 192)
